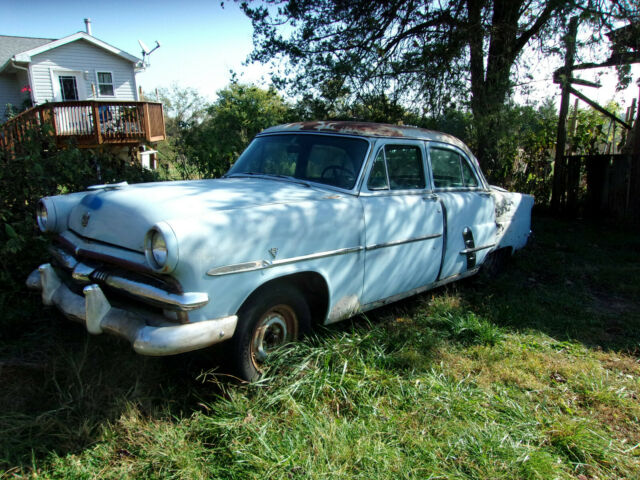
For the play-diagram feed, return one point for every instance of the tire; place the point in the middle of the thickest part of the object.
(495, 263)
(270, 318)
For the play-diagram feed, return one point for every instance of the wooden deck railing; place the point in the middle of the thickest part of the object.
(90, 123)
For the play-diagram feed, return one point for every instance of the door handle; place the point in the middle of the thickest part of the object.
(430, 196)
(485, 194)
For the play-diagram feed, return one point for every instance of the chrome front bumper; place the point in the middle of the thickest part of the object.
(149, 334)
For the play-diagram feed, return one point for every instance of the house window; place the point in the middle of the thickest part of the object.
(105, 84)
(68, 87)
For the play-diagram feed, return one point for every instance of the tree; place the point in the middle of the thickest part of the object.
(184, 108)
(423, 53)
(229, 124)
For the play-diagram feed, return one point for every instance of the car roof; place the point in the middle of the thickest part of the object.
(367, 129)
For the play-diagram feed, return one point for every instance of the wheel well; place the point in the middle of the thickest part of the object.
(313, 287)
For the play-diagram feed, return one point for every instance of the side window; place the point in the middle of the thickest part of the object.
(468, 176)
(397, 167)
(445, 165)
(378, 177)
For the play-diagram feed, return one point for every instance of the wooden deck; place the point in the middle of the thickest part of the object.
(90, 123)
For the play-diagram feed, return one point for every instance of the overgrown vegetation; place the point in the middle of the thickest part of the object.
(420, 53)
(534, 374)
(40, 168)
(205, 139)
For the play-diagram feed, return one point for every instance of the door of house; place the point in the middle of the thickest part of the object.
(68, 87)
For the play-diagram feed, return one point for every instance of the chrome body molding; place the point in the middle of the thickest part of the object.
(262, 264)
(402, 242)
(149, 334)
(476, 249)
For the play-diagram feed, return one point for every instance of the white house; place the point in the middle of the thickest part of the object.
(76, 67)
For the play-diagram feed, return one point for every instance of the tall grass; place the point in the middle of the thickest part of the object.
(524, 376)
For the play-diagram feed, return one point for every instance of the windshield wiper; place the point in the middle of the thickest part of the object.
(276, 175)
(288, 177)
(229, 175)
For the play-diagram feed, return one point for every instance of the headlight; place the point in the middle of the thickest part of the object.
(158, 248)
(42, 215)
(161, 248)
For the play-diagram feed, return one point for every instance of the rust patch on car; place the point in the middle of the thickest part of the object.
(357, 128)
(345, 307)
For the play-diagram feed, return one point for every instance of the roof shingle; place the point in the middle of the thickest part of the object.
(10, 46)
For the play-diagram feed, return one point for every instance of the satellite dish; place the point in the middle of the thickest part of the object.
(146, 52)
(145, 49)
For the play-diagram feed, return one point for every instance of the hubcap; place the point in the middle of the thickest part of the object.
(275, 328)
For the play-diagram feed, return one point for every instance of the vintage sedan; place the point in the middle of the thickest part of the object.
(314, 223)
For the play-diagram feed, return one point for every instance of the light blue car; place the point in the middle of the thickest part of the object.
(314, 223)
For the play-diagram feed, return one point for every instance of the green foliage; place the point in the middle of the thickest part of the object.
(422, 54)
(211, 145)
(593, 132)
(39, 168)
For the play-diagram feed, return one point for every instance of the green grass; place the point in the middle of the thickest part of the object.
(533, 375)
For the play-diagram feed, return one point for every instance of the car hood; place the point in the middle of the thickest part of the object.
(122, 216)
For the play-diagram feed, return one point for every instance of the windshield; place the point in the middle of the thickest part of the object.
(324, 159)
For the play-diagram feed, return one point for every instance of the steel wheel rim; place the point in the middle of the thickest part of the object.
(275, 328)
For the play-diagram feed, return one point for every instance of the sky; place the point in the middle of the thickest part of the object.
(202, 41)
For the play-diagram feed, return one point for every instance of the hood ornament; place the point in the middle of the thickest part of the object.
(84, 221)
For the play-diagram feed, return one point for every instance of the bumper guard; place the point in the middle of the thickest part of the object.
(149, 334)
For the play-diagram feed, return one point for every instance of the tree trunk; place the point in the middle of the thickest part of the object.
(490, 89)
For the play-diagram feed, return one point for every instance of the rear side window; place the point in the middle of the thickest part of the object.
(451, 170)
(397, 167)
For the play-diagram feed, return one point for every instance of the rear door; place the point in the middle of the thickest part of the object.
(468, 207)
(403, 221)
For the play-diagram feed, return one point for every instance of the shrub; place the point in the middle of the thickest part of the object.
(39, 168)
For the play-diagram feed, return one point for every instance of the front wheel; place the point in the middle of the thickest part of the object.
(268, 320)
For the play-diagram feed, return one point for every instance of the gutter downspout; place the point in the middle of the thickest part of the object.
(17, 67)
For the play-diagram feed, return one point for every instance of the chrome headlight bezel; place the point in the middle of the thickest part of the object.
(161, 248)
(46, 215)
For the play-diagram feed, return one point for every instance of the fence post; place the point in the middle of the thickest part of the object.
(147, 123)
(96, 123)
(558, 196)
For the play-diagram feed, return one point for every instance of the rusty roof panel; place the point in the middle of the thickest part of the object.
(369, 130)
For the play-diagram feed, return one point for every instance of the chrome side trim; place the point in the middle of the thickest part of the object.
(476, 249)
(239, 267)
(262, 264)
(402, 242)
(416, 291)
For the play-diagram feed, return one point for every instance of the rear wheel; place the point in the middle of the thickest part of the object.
(269, 319)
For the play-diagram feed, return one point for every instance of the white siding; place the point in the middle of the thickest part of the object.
(81, 56)
(10, 85)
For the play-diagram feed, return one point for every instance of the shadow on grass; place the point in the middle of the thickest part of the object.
(60, 387)
(575, 281)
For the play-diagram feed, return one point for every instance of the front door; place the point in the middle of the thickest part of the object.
(68, 87)
(403, 221)
(469, 210)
